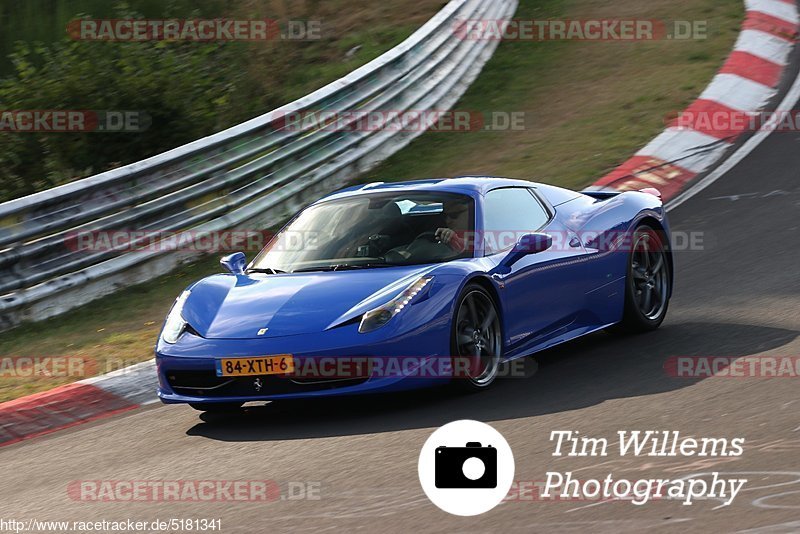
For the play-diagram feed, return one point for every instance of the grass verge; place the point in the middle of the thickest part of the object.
(588, 106)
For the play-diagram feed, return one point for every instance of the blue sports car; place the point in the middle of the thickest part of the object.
(391, 286)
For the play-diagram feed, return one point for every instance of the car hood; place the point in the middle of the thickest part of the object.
(227, 306)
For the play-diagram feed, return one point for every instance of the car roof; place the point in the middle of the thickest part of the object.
(461, 184)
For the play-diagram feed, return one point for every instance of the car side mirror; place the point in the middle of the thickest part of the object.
(527, 244)
(235, 263)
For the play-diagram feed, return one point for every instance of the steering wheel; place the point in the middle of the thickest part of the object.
(428, 236)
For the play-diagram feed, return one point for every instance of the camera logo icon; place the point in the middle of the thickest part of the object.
(466, 468)
(472, 466)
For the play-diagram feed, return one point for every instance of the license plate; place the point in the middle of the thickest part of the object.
(262, 365)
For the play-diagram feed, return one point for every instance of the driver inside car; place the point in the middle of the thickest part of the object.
(456, 216)
(447, 241)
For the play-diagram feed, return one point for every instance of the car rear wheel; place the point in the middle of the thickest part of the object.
(477, 341)
(217, 407)
(648, 282)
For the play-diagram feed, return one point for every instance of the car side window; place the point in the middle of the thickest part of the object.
(508, 214)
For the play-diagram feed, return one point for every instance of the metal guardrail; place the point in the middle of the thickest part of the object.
(245, 176)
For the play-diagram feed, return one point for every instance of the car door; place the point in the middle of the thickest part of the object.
(543, 293)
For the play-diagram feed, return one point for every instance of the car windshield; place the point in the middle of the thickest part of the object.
(373, 230)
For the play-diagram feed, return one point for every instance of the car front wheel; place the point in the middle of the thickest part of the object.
(477, 340)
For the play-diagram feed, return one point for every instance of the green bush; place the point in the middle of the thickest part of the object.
(185, 88)
(188, 89)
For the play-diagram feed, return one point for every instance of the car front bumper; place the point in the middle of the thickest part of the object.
(336, 362)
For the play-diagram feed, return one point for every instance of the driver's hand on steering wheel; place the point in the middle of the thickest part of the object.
(450, 238)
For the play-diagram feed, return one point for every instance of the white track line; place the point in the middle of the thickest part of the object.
(785, 106)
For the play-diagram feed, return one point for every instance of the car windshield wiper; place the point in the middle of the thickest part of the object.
(266, 270)
(343, 267)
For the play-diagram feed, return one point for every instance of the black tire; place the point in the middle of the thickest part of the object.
(217, 407)
(648, 284)
(476, 361)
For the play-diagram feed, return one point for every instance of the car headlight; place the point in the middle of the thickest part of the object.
(374, 319)
(175, 323)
